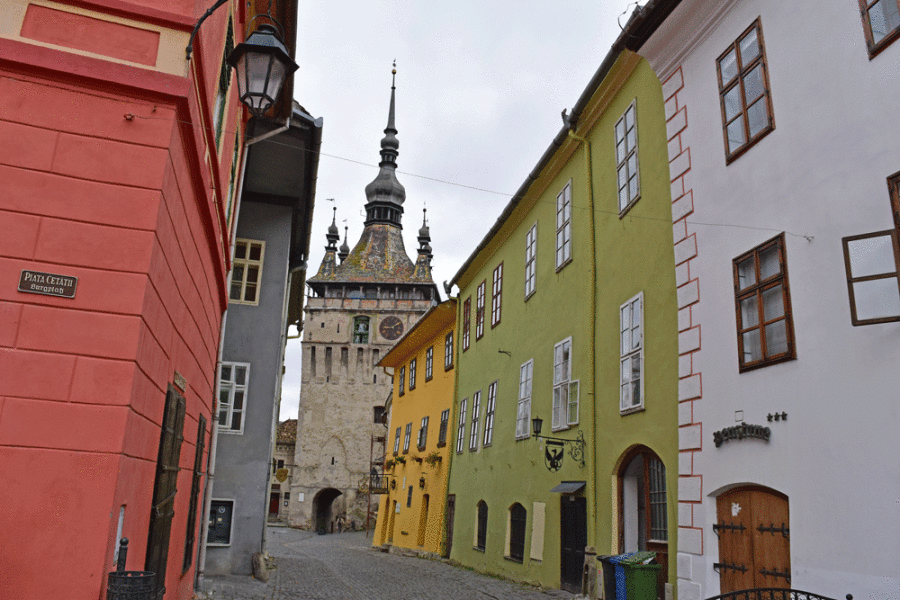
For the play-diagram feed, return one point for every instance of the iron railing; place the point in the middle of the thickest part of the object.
(772, 594)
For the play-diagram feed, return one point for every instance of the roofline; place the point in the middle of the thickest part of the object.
(642, 24)
(415, 328)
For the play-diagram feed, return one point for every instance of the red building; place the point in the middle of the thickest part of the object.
(119, 160)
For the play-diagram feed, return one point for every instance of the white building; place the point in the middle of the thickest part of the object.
(784, 127)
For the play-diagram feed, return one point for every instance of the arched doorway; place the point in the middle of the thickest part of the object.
(322, 508)
(754, 539)
(643, 508)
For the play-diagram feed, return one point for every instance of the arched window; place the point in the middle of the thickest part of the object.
(360, 330)
(517, 517)
(481, 532)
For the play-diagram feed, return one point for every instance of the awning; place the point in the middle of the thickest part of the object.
(569, 487)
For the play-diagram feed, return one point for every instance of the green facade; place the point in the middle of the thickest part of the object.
(610, 264)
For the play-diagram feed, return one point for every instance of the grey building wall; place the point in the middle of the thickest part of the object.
(254, 335)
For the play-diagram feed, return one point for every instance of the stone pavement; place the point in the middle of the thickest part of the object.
(345, 567)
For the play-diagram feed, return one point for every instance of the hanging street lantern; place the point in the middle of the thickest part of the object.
(262, 64)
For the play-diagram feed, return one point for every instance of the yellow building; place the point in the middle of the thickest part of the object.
(411, 512)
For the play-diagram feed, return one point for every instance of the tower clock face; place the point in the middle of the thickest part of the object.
(390, 328)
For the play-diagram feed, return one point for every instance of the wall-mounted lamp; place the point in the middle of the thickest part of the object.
(553, 459)
(422, 482)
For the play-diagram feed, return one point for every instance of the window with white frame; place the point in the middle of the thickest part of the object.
(627, 159)
(564, 226)
(246, 271)
(530, 260)
(496, 294)
(423, 434)
(489, 415)
(412, 374)
(479, 311)
(397, 442)
(562, 374)
(233, 381)
(631, 351)
(523, 410)
(476, 411)
(406, 437)
(461, 427)
(429, 363)
(448, 351)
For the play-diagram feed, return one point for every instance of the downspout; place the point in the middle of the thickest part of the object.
(592, 495)
(456, 351)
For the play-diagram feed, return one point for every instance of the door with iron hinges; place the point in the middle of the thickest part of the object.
(754, 539)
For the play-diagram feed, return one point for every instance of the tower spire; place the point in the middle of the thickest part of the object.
(385, 194)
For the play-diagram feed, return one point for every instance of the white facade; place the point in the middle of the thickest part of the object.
(819, 176)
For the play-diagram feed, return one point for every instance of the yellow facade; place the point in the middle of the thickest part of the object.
(417, 458)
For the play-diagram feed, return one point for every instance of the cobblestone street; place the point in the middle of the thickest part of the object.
(344, 567)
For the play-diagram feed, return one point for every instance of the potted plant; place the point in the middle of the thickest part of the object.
(433, 458)
(400, 460)
(389, 464)
(417, 458)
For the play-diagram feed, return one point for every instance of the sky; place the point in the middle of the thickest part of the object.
(480, 89)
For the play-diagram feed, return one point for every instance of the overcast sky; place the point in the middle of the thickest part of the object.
(480, 89)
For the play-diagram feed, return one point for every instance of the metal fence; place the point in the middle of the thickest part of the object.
(772, 594)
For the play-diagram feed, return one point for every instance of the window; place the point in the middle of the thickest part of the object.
(629, 183)
(195, 495)
(412, 374)
(873, 264)
(219, 529)
(631, 353)
(402, 382)
(461, 427)
(564, 226)
(530, 261)
(489, 415)
(448, 351)
(517, 517)
(442, 433)
(476, 410)
(479, 311)
(397, 442)
(523, 410)
(467, 309)
(562, 373)
(406, 436)
(246, 271)
(360, 330)
(881, 23)
(279, 464)
(233, 381)
(429, 363)
(496, 294)
(763, 306)
(379, 415)
(224, 83)
(744, 92)
(409, 497)
(481, 531)
(423, 434)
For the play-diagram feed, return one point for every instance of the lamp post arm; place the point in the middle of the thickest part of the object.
(211, 10)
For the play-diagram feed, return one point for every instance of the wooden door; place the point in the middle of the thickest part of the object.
(273, 504)
(754, 539)
(423, 522)
(390, 537)
(573, 539)
(451, 513)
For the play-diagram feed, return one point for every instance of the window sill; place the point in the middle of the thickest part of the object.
(441, 444)
(477, 549)
(217, 545)
(427, 379)
(766, 363)
(628, 207)
(513, 559)
(529, 295)
(730, 158)
(448, 367)
(523, 437)
(632, 410)
(406, 451)
(421, 448)
(564, 265)
(230, 431)
(876, 49)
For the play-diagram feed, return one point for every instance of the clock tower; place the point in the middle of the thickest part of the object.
(359, 304)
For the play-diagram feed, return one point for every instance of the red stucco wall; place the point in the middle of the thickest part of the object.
(123, 204)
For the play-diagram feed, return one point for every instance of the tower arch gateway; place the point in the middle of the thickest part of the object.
(360, 302)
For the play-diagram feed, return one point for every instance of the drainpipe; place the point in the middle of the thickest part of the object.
(592, 496)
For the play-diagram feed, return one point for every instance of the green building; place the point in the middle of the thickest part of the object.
(567, 313)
